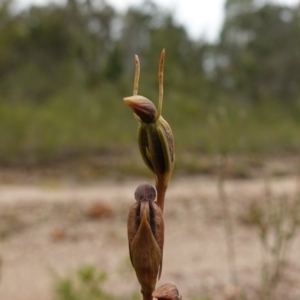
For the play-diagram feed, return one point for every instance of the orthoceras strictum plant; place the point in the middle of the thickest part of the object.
(145, 228)
(155, 137)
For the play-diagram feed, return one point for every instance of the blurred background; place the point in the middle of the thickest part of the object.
(66, 66)
(69, 161)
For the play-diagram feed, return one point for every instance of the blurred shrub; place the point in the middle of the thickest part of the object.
(85, 284)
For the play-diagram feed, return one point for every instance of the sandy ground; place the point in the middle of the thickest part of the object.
(49, 231)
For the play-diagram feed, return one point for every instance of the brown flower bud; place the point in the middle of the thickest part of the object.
(146, 238)
(167, 291)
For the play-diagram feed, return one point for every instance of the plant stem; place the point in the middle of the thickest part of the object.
(161, 189)
(147, 296)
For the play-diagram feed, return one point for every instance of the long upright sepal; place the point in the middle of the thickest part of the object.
(136, 75)
(161, 83)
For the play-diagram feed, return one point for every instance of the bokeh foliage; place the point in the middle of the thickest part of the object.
(64, 70)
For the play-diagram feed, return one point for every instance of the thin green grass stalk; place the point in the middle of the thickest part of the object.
(228, 224)
(265, 272)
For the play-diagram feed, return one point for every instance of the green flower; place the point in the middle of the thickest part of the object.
(155, 137)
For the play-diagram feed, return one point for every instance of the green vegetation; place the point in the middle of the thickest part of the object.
(68, 129)
(64, 70)
(86, 284)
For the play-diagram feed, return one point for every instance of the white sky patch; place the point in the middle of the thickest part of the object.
(202, 19)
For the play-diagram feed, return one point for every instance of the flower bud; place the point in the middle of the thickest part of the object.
(167, 291)
(146, 238)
